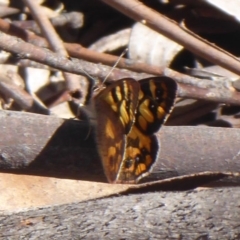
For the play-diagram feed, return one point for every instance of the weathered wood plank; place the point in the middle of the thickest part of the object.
(66, 148)
(198, 214)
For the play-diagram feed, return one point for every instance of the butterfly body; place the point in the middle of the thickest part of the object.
(128, 113)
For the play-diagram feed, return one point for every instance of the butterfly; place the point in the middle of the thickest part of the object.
(127, 114)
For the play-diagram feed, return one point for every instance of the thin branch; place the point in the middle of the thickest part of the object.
(76, 50)
(20, 96)
(52, 37)
(29, 51)
(141, 13)
(68, 20)
(46, 27)
(24, 100)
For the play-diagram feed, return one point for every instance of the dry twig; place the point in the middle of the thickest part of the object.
(52, 37)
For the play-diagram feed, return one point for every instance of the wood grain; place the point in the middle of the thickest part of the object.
(49, 146)
(197, 214)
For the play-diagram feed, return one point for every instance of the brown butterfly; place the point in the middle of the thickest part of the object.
(128, 113)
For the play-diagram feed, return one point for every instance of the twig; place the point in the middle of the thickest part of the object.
(46, 27)
(76, 50)
(22, 98)
(71, 19)
(51, 35)
(5, 11)
(141, 13)
(29, 51)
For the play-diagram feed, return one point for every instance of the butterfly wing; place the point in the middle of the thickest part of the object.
(140, 155)
(156, 99)
(115, 112)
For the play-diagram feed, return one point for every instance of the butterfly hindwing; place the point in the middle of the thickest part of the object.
(155, 101)
(115, 107)
(140, 155)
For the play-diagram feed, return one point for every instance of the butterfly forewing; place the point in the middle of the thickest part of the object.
(122, 97)
(115, 112)
(156, 99)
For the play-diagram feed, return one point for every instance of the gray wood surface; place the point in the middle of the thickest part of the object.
(55, 147)
(197, 214)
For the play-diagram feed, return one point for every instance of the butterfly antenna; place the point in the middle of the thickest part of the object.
(116, 63)
(88, 134)
(89, 76)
